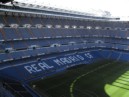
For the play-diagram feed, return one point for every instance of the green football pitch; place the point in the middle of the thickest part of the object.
(105, 78)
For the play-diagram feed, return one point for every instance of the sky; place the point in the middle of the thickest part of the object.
(115, 7)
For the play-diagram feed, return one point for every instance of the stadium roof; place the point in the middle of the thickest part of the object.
(116, 7)
(5, 1)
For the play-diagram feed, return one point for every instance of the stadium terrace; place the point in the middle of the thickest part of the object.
(50, 52)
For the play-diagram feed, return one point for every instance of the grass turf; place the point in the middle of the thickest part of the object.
(83, 81)
(120, 87)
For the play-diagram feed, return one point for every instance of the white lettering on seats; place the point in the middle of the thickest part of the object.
(68, 60)
(80, 57)
(34, 68)
(29, 69)
(44, 66)
(88, 55)
(65, 60)
(58, 62)
(73, 58)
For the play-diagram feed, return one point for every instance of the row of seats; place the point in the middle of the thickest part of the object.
(24, 44)
(11, 34)
(21, 54)
(7, 20)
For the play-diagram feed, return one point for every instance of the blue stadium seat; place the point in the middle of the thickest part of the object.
(46, 32)
(30, 53)
(4, 56)
(17, 54)
(18, 44)
(115, 55)
(24, 20)
(95, 33)
(42, 51)
(36, 20)
(125, 41)
(37, 32)
(78, 46)
(88, 33)
(63, 48)
(121, 47)
(2, 38)
(2, 20)
(7, 45)
(11, 20)
(43, 42)
(57, 33)
(124, 56)
(74, 32)
(113, 33)
(25, 33)
(77, 40)
(71, 47)
(52, 49)
(123, 34)
(10, 34)
(55, 41)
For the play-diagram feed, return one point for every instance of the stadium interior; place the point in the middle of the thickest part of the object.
(39, 43)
